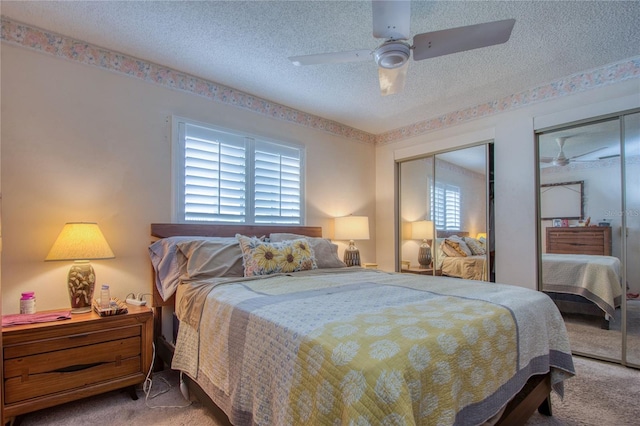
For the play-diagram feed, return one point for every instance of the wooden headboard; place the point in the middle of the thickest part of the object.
(446, 234)
(163, 230)
(579, 240)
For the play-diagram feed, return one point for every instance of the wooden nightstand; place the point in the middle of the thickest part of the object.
(51, 363)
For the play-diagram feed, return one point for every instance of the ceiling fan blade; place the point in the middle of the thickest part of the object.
(587, 153)
(546, 159)
(454, 40)
(606, 157)
(391, 19)
(392, 79)
(332, 58)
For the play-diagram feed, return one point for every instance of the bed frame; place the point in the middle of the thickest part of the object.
(591, 240)
(535, 393)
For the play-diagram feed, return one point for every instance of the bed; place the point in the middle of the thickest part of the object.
(460, 256)
(579, 273)
(583, 284)
(321, 345)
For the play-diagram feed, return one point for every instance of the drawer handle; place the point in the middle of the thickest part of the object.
(78, 367)
(78, 336)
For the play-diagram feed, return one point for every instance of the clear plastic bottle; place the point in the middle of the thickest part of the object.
(28, 303)
(105, 297)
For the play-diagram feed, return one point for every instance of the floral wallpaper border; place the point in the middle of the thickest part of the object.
(65, 47)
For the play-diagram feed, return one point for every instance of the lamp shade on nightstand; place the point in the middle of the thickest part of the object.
(80, 242)
(352, 228)
(423, 230)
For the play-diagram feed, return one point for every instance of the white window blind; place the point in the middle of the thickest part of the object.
(222, 176)
(446, 206)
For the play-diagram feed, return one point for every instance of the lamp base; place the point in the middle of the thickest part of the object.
(352, 256)
(424, 256)
(80, 283)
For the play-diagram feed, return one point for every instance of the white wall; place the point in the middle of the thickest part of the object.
(515, 188)
(83, 144)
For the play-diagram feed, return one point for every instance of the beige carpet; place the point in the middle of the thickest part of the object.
(601, 394)
(587, 337)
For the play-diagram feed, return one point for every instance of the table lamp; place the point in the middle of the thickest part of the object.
(351, 228)
(481, 235)
(423, 230)
(80, 242)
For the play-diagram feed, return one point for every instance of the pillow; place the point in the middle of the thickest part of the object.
(326, 253)
(475, 246)
(452, 249)
(213, 257)
(166, 264)
(263, 258)
(483, 242)
(170, 263)
(461, 244)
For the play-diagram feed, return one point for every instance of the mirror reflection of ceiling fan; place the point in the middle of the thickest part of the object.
(562, 160)
(391, 22)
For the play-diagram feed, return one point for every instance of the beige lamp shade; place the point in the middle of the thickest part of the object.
(481, 235)
(351, 228)
(422, 230)
(80, 241)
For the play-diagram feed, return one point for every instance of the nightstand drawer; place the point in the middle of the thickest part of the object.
(71, 341)
(33, 385)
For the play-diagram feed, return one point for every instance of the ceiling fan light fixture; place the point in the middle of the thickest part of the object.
(392, 54)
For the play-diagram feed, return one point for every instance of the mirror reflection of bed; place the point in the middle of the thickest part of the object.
(459, 255)
(589, 235)
(451, 192)
(579, 273)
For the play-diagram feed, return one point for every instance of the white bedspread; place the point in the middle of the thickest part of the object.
(596, 278)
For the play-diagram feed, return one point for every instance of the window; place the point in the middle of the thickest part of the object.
(446, 206)
(225, 176)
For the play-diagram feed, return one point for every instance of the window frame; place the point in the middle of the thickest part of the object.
(178, 126)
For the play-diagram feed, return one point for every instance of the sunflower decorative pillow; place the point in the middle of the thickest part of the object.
(263, 258)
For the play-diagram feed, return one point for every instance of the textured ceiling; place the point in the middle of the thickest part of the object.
(245, 45)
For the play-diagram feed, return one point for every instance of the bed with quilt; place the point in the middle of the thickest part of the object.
(583, 284)
(461, 256)
(277, 331)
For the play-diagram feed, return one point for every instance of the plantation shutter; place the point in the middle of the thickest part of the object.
(278, 183)
(223, 176)
(214, 175)
(446, 206)
(452, 207)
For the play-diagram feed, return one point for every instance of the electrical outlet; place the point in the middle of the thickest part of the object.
(132, 301)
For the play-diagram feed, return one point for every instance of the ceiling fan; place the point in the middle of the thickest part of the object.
(391, 22)
(562, 160)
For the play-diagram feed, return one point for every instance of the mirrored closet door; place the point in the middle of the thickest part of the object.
(444, 210)
(589, 230)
